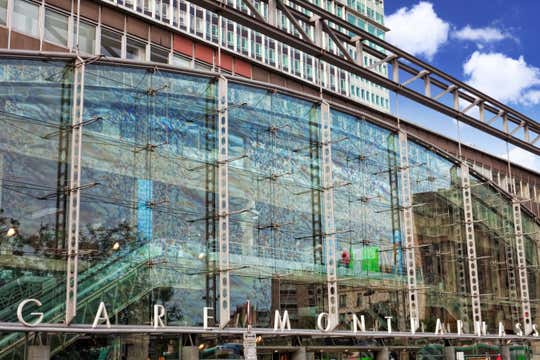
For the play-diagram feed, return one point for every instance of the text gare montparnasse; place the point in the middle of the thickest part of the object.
(282, 323)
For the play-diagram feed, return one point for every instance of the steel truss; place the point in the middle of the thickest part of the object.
(74, 189)
(223, 202)
(408, 228)
(522, 268)
(490, 111)
(471, 247)
(508, 234)
(457, 233)
(328, 214)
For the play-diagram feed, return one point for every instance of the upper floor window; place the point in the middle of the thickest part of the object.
(3, 12)
(25, 17)
(111, 43)
(56, 28)
(87, 38)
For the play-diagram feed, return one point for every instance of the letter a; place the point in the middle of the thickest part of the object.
(439, 328)
(101, 310)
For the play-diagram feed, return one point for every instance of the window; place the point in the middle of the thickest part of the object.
(159, 55)
(87, 38)
(343, 300)
(111, 43)
(3, 12)
(135, 49)
(181, 61)
(25, 17)
(56, 28)
(358, 299)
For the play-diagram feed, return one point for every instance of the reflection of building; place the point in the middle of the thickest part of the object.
(211, 174)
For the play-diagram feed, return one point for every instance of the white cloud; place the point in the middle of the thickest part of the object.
(504, 78)
(531, 97)
(523, 158)
(485, 34)
(418, 29)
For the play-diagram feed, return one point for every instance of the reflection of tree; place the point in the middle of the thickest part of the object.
(101, 239)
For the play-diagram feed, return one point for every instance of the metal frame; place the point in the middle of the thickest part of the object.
(328, 214)
(460, 258)
(408, 226)
(77, 111)
(522, 268)
(223, 202)
(148, 329)
(420, 70)
(471, 246)
(508, 234)
(74, 190)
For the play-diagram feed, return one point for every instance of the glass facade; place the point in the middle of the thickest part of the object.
(148, 228)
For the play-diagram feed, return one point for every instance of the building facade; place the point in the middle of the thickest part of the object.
(199, 164)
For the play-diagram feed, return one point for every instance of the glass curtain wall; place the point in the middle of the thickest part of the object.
(369, 251)
(148, 208)
(35, 116)
(274, 185)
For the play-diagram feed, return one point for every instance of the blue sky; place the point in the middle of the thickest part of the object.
(490, 44)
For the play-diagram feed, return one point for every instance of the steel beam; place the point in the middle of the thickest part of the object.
(460, 257)
(522, 268)
(74, 189)
(223, 202)
(328, 214)
(471, 247)
(408, 227)
(464, 91)
(469, 92)
(293, 20)
(508, 235)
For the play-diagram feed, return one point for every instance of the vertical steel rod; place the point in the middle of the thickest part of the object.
(471, 247)
(408, 227)
(328, 211)
(223, 202)
(74, 190)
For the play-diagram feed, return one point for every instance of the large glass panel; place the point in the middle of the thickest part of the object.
(366, 215)
(274, 201)
(496, 256)
(25, 17)
(439, 247)
(56, 27)
(34, 150)
(146, 215)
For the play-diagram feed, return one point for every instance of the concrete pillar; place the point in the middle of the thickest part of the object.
(39, 352)
(449, 353)
(383, 354)
(137, 347)
(505, 352)
(189, 353)
(299, 354)
(535, 347)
